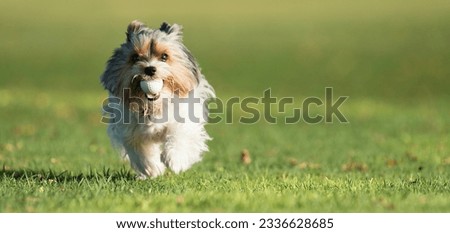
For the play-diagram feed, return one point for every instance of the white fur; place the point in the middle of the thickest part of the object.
(152, 146)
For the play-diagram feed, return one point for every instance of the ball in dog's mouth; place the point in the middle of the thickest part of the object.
(152, 88)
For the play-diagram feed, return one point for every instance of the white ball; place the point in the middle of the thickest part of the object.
(152, 87)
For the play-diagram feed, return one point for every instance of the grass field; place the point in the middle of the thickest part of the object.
(390, 57)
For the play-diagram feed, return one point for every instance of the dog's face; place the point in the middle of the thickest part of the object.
(149, 54)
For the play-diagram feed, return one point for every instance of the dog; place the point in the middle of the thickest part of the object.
(155, 131)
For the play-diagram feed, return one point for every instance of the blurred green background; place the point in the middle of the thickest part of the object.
(390, 57)
(365, 49)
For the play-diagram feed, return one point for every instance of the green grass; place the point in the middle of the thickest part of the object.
(390, 57)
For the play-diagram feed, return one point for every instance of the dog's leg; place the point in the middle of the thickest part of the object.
(184, 146)
(146, 159)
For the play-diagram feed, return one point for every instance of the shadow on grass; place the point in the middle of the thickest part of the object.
(67, 176)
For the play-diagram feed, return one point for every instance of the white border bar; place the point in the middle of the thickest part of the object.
(345, 223)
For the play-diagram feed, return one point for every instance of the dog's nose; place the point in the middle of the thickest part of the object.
(150, 70)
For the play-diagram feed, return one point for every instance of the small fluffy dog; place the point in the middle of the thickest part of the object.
(156, 83)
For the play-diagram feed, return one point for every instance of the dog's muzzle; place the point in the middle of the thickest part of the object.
(150, 86)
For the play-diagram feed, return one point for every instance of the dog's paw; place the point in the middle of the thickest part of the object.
(180, 162)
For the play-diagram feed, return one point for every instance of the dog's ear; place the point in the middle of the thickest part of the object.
(174, 30)
(133, 28)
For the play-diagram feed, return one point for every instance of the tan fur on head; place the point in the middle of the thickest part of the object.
(178, 85)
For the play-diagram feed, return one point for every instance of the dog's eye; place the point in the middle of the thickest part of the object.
(164, 57)
(135, 58)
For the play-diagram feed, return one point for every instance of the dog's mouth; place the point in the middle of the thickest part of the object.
(151, 95)
(152, 98)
